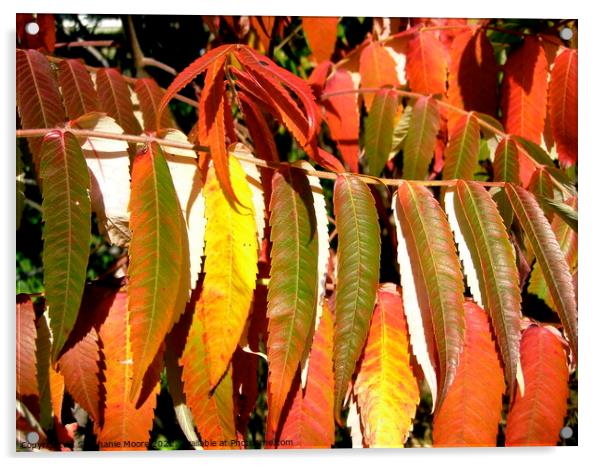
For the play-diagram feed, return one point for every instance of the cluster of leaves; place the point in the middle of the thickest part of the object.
(229, 258)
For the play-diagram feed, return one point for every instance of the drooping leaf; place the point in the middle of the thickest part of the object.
(379, 131)
(66, 233)
(567, 239)
(472, 74)
(260, 132)
(535, 418)
(150, 95)
(38, 98)
(187, 179)
(377, 69)
(462, 151)
(524, 91)
(386, 389)
(419, 144)
(293, 282)
(358, 257)
(26, 375)
(78, 90)
(309, 422)
(342, 116)
(563, 106)
(79, 365)
(564, 211)
(437, 278)
(547, 251)
(124, 420)
(212, 408)
(427, 65)
(230, 267)
(109, 165)
(321, 34)
(156, 258)
(470, 414)
(114, 98)
(485, 247)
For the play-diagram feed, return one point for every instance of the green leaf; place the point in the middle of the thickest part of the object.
(292, 289)
(156, 258)
(462, 152)
(401, 131)
(67, 223)
(550, 257)
(358, 259)
(380, 124)
(505, 168)
(542, 186)
(420, 141)
(437, 277)
(564, 210)
(480, 227)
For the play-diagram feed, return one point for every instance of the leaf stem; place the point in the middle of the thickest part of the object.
(147, 139)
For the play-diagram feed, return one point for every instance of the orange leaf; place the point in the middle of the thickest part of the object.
(321, 33)
(524, 91)
(342, 116)
(115, 99)
(77, 88)
(535, 418)
(26, 381)
(127, 423)
(472, 410)
(563, 106)
(386, 389)
(377, 69)
(310, 421)
(426, 64)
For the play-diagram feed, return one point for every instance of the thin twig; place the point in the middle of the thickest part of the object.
(85, 43)
(20, 133)
(146, 61)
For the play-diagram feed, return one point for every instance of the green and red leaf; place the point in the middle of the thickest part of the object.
(115, 99)
(437, 278)
(462, 151)
(67, 231)
(379, 127)
(358, 257)
(419, 144)
(156, 257)
(150, 96)
(78, 90)
(292, 290)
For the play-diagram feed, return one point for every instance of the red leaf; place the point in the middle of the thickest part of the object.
(472, 74)
(77, 88)
(26, 381)
(310, 421)
(150, 95)
(535, 419)
(472, 410)
(190, 73)
(46, 36)
(524, 91)
(563, 106)
(426, 64)
(115, 99)
(321, 33)
(79, 365)
(342, 117)
(261, 134)
(38, 98)
(377, 69)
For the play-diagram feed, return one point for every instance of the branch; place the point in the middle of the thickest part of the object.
(147, 139)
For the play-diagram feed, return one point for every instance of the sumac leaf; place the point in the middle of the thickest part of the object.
(377, 69)
(358, 257)
(470, 414)
(462, 151)
(419, 144)
(426, 67)
(150, 96)
(563, 106)
(78, 90)
(531, 421)
(386, 389)
(67, 231)
(321, 34)
(26, 375)
(379, 131)
(115, 99)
